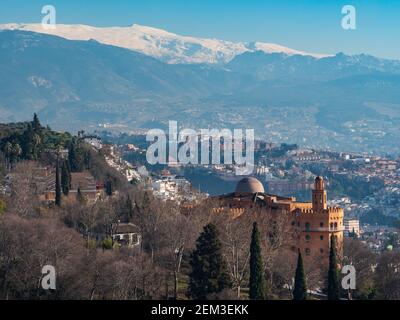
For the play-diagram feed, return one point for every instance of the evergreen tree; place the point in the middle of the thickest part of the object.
(36, 142)
(129, 207)
(77, 156)
(300, 286)
(209, 272)
(72, 157)
(353, 234)
(36, 123)
(333, 273)
(65, 178)
(107, 243)
(58, 185)
(87, 157)
(28, 143)
(257, 285)
(109, 188)
(31, 140)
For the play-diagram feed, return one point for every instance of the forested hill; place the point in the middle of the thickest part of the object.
(31, 141)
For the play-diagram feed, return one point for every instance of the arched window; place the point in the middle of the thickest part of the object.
(335, 225)
(308, 251)
(331, 225)
(321, 237)
(321, 225)
(308, 238)
(308, 226)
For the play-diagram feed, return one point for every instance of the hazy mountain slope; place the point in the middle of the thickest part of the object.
(41, 71)
(297, 68)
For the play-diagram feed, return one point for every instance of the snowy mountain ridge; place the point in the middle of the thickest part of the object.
(160, 44)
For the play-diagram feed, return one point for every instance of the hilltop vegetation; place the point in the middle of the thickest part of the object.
(29, 140)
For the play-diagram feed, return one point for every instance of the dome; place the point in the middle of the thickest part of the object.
(249, 185)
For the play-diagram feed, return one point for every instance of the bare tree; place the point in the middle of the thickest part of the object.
(363, 259)
(235, 238)
(277, 237)
(27, 246)
(150, 215)
(26, 185)
(180, 234)
(387, 277)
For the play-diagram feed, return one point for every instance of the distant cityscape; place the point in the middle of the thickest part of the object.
(367, 187)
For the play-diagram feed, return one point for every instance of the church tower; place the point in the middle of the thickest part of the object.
(319, 198)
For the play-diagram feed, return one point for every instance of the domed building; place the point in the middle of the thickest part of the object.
(312, 223)
(249, 185)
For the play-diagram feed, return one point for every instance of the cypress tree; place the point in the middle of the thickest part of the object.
(36, 146)
(58, 185)
(209, 272)
(333, 273)
(257, 285)
(27, 143)
(76, 156)
(65, 178)
(72, 157)
(129, 207)
(300, 285)
(109, 188)
(36, 123)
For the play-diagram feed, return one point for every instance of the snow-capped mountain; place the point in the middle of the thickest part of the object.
(160, 44)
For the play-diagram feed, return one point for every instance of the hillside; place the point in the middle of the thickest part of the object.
(340, 102)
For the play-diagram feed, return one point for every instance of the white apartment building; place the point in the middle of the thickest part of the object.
(350, 226)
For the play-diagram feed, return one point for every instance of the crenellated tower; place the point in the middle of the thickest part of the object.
(319, 197)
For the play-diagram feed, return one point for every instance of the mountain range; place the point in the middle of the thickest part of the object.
(160, 44)
(84, 77)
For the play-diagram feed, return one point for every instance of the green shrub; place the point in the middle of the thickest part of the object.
(107, 243)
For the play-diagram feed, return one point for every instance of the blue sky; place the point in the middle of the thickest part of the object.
(311, 25)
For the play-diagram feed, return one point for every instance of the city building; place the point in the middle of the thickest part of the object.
(126, 234)
(172, 187)
(94, 141)
(312, 223)
(351, 226)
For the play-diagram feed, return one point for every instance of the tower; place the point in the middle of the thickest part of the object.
(319, 198)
